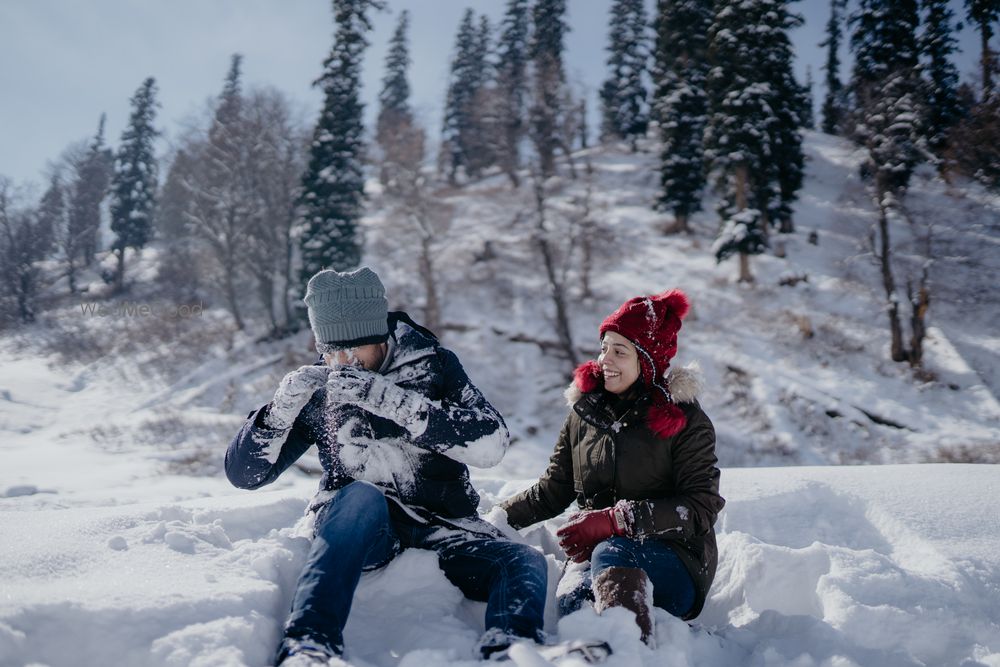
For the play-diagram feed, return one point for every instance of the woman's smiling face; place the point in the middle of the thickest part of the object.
(619, 362)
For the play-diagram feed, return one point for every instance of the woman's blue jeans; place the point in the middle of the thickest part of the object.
(673, 588)
(355, 533)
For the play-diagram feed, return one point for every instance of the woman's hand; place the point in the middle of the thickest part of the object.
(585, 530)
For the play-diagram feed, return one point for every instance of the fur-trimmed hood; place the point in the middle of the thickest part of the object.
(664, 417)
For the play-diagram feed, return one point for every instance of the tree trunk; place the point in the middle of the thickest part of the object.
(25, 311)
(266, 285)
(919, 304)
(432, 304)
(745, 275)
(741, 203)
(741, 176)
(586, 262)
(679, 226)
(987, 60)
(71, 275)
(290, 321)
(120, 271)
(897, 353)
(556, 289)
(231, 300)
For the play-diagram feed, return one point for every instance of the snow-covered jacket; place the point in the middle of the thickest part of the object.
(426, 474)
(607, 452)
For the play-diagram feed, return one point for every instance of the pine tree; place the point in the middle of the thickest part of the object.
(833, 102)
(886, 87)
(468, 72)
(395, 127)
(884, 43)
(52, 208)
(394, 100)
(984, 13)
(753, 139)
(548, 17)
(25, 239)
(680, 105)
(88, 190)
(483, 121)
(941, 84)
(623, 94)
(511, 83)
(333, 185)
(808, 117)
(133, 186)
(788, 101)
(222, 197)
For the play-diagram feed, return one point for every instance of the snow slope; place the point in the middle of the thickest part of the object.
(106, 559)
(122, 544)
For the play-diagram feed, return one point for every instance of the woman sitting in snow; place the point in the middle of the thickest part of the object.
(638, 455)
(396, 420)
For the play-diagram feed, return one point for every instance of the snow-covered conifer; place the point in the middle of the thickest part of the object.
(833, 101)
(680, 65)
(886, 88)
(133, 186)
(623, 94)
(333, 185)
(511, 86)
(394, 99)
(984, 13)
(548, 89)
(401, 142)
(461, 130)
(938, 43)
(87, 191)
(753, 141)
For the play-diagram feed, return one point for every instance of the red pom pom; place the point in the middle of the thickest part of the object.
(676, 301)
(665, 419)
(588, 377)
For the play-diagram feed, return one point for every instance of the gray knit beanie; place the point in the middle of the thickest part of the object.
(348, 309)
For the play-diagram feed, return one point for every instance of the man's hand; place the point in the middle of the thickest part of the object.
(373, 393)
(293, 393)
(585, 530)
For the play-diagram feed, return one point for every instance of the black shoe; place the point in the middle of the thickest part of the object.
(305, 653)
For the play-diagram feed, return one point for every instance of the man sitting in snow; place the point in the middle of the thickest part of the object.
(396, 421)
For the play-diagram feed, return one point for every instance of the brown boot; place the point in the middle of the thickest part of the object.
(627, 587)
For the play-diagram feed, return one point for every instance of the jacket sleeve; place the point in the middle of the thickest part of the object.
(258, 454)
(696, 503)
(463, 425)
(551, 494)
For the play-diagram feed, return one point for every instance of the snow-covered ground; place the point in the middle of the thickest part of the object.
(122, 543)
(106, 559)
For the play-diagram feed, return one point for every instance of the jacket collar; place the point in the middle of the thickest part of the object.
(410, 346)
(685, 384)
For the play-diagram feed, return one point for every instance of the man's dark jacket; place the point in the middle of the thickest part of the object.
(425, 474)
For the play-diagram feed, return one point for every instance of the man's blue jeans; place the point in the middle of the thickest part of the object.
(673, 588)
(355, 533)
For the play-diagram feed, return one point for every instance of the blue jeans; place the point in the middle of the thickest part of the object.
(355, 533)
(673, 588)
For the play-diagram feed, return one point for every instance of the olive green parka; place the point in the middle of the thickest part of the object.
(603, 456)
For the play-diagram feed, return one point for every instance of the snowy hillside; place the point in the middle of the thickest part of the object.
(124, 545)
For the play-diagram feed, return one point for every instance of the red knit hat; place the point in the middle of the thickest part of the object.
(651, 323)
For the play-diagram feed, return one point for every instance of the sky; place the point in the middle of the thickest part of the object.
(66, 62)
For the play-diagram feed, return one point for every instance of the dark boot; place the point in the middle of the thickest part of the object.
(627, 587)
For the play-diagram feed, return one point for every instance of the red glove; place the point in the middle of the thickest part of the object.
(585, 530)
